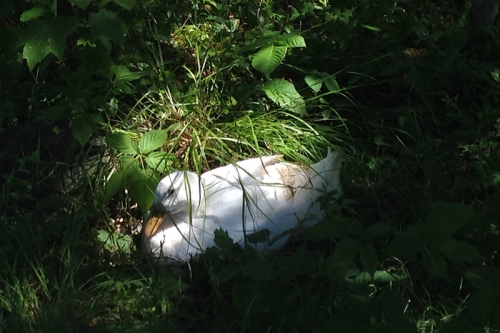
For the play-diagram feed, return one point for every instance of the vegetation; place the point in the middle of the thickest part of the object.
(99, 99)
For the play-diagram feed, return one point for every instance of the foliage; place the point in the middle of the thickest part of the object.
(99, 99)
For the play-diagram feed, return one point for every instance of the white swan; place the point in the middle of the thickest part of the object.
(250, 196)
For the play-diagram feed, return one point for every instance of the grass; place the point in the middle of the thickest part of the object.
(419, 131)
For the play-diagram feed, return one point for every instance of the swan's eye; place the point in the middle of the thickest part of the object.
(170, 192)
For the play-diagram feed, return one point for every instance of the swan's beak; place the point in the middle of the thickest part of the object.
(154, 219)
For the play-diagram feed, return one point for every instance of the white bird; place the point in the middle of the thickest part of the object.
(250, 196)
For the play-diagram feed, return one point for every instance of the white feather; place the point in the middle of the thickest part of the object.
(242, 199)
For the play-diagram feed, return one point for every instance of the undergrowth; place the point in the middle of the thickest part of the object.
(100, 99)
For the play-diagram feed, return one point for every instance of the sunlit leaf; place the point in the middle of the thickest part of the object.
(160, 161)
(267, 59)
(142, 188)
(314, 81)
(32, 13)
(292, 40)
(152, 140)
(115, 183)
(122, 143)
(285, 95)
(42, 37)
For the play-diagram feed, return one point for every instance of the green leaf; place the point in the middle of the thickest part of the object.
(409, 243)
(160, 161)
(127, 4)
(435, 264)
(345, 251)
(32, 13)
(122, 143)
(374, 231)
(123, 74)
(258, 269)
(128, 162)
(330, 82)
(82, 129)
(142, 190)
(267, 59)
(314, 81)
(115, 183)
(152, 140)
(115, 242)
(446, 218)
(107, 28)
(81, 3)
(292, 40)
(368, 257)
(42, 37)
(460, 251)
(285, 95)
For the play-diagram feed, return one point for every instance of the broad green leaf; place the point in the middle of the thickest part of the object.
(81, 3)
(122, 143)
(42, 37)
(368, 257)
(160, 161)
(115, 242)
(258, 269)
(267, 59)
(446, 218)
(107, 27)
(152, 140)
(127, 162)
(123, 74)
(127, 4)
(375, 230)
(292, 40)
(142, 190)
(115, 183)
(314, 81)
(435, 264)
(345, 251)
(460, 251)
(330, 82)
(285, 95)
(32, 13)
(82, 129)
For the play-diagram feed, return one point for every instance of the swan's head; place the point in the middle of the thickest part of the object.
(177, 197)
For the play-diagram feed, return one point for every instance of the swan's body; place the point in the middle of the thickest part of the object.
(244, 198)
